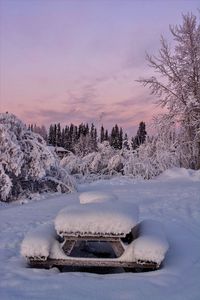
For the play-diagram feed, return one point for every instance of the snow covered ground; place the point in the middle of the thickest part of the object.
(173, 199)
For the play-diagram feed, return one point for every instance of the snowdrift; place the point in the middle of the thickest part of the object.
(96, 196)
(180, 174)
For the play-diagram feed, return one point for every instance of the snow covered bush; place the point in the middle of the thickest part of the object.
(115, 164)
(159, 152)
(94, 165)
(165, 150)
(5, 184)
(26, 163)
(151, 158)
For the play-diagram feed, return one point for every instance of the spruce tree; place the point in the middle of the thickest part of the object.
(54, 139)
(63, 138)
(140, 136)
(86, 129)
(141, 133)
(102, 134)
(74, 136)
(66, 138)
(58, 135)
(120, 138)
(115, 140)
(125, 144)
(50, 136)
(93, 139)
(106, 137)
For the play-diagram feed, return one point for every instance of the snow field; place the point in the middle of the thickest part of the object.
(175, 203)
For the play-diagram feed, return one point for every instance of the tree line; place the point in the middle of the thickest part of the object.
(83, 139)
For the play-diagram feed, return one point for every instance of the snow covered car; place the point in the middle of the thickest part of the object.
(97, 232)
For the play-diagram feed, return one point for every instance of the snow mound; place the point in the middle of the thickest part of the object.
(151, 245)
(96, 218)
(96, 196)
(37, 243)
(180, 174)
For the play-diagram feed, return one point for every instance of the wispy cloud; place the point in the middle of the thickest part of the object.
(136, 100)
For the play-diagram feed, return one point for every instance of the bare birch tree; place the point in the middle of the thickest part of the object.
(177, 84)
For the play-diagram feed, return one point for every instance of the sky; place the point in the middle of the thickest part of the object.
(78, 60)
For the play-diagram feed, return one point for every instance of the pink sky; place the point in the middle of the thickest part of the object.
(77, 60)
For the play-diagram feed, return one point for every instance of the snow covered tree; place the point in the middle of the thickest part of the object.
(81, 148)
(26, 163)
(178, 82)
(39, 129)
(125, 143)
(115, 164)
(102, 163)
